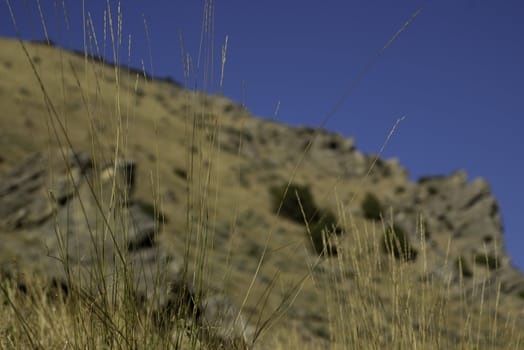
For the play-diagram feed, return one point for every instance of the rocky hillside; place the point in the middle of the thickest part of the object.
(199, 165)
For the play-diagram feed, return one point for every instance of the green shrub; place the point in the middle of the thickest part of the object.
(321, 222)
(139, 92)
(371, 207)
(400, 189)
(396, 242)
(326, 225)
(181, 173)
(432, 190)
(520, 294)
(152, 211)
(326, 218)
(290, 203)
(463, 267)
(228, 108)
(425, 179)
(321, 243)
(489, 261)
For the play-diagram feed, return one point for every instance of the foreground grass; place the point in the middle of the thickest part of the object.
(401, 312)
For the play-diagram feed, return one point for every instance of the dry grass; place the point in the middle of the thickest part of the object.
(360, 299)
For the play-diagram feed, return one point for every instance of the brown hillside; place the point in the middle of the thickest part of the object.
(210, 167)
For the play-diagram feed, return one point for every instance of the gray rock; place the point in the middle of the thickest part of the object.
(465, 211)
(222, 319)
(78, 226)
(72, 213)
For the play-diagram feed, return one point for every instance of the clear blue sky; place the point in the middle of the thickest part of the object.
(457, 74)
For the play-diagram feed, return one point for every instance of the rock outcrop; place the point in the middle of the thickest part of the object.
(443, 209)
(449, 208)
(77, 225)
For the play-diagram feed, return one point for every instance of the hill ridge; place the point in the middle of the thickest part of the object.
(207, 151)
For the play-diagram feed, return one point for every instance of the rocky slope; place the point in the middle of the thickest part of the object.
(208, 166)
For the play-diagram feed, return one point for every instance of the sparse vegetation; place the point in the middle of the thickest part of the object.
(298, 205)
(432, 190)
(321, 232)
(181, 173)
(152, 211)
(400, 189)
(487, 260)
(228, 108)
(487, 239)
(371, 207)
(296, 200)
(396, 242)
(463, 267)
(428, 178)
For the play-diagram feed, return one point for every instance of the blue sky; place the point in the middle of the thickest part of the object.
(457, 73)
